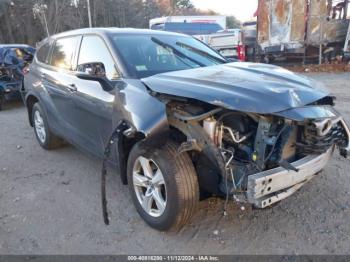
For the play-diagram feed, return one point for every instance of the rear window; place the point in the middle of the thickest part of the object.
(42, 54)
(63, 52)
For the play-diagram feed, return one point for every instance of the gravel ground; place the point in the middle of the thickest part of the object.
(50, 204)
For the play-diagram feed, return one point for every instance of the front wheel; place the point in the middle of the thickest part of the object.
(163, 185)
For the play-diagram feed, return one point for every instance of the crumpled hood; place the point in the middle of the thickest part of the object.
(249, 87)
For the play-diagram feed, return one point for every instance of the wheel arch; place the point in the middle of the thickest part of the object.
(125, 136)
(176, 130)
(123, 147)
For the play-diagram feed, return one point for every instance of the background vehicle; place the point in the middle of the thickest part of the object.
(234, 43)
(301, 29)
(14, 60)
(218, 21)
(229, 43)
(189, 28)
(178, 121)
(249, 39)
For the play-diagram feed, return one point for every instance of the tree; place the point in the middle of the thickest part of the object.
(233, 22)
(151, 10)
(23, 21)
(6, 32)
(39, 10)
(182, 4)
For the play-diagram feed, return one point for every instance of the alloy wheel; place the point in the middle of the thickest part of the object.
(39, 126)
(149, 186)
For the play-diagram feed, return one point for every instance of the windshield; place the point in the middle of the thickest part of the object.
(146, 55)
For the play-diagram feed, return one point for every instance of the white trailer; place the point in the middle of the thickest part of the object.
(210, 19)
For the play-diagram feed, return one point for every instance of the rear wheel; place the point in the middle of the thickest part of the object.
(45, 137)
(163, 185)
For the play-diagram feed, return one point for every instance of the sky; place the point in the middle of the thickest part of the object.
(242, 9)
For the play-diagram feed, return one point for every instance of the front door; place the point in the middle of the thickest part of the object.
(93, 106)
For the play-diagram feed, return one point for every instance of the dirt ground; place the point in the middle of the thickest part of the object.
(328, 68)
(50, 204)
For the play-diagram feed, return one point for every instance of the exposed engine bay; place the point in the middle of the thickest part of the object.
(229, 147)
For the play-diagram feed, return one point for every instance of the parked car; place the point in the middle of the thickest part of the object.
(14, 60)
(228, 43)
(180, 122)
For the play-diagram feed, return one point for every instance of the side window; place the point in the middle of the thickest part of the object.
(42, 53)
(63, 52)
(93, 49)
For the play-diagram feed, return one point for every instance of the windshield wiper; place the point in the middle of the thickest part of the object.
(199, 51)
(176, 52)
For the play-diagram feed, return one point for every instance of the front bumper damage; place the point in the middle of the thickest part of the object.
(270, 186)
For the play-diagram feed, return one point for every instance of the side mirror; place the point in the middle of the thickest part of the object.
(94, 72)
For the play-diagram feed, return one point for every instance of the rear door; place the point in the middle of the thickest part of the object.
(58, 81)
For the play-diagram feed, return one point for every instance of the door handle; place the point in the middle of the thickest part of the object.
(72, 88)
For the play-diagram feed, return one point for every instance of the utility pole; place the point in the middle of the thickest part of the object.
(89, 13)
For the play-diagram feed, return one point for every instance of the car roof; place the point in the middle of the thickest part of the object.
(114, 30)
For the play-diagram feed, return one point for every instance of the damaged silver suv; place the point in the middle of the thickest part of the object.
(178, 121)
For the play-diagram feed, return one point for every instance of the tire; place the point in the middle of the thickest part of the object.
(180, 189)
(49, 141)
